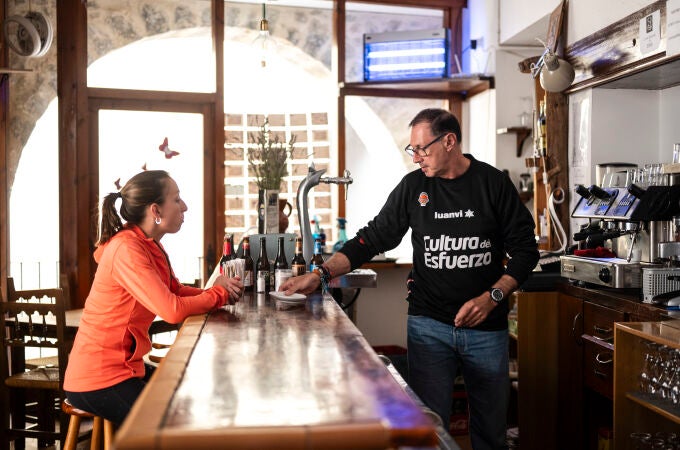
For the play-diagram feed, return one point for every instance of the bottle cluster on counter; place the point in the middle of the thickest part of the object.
(262, 275)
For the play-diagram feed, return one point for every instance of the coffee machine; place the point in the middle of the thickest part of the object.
(622, 238)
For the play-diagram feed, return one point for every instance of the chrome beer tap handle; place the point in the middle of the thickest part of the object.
(311, 180)
(345, 179)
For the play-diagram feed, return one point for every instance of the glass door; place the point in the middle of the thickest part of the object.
(132, 141)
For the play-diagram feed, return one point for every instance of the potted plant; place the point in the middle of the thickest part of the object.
(268, 162)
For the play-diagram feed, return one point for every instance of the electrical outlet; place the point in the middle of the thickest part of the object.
(477, 44)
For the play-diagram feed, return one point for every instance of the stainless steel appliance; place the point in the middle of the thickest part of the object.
(626, 226)
(611, 272)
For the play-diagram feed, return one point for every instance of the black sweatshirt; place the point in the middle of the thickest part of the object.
(462, 229)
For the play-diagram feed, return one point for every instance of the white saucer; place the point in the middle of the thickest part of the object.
(293, 298)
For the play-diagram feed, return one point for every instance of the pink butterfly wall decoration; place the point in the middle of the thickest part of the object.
(166, 149)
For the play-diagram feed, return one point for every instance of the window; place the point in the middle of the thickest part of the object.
(312, 144)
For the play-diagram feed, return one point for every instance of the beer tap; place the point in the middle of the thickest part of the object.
(312, 179)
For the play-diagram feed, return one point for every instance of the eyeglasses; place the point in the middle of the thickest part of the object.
(420, 151)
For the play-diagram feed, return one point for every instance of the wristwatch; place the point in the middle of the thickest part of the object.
(496, 294)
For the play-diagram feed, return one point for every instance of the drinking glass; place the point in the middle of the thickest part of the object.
(648, 367)
(643, 441)
(657, 369)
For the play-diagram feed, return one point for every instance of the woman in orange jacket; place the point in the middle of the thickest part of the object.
(133, 284)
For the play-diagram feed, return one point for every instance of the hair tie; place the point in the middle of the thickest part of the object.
(119, 195)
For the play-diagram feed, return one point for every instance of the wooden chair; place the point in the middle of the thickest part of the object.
(99, 426)
(32, 321)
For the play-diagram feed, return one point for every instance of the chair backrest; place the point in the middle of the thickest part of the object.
(33, 319)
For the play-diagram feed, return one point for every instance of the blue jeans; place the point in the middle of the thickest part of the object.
(112, 403)
(436, 350)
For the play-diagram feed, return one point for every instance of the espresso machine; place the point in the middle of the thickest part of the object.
(623, 245)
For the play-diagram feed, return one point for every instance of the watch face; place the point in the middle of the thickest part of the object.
(496, 295)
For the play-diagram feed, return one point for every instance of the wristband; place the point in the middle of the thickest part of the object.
(324, 275)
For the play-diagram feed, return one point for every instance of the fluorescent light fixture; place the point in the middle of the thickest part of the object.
(406, 55)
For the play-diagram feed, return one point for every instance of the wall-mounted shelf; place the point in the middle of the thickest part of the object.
(8, 70)
(522, 133)
(435, 88)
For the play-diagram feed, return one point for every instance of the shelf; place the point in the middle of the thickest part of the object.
(651, 402)
(435, 88)
(522, 133)
(8, 70)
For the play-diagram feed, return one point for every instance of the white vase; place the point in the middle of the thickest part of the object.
(269, 211)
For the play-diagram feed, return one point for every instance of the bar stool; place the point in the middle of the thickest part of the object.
(98, 423)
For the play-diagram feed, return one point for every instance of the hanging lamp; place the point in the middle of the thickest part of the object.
(264, 44)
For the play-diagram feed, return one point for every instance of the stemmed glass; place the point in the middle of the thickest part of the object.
(666, 372)
(675, 380)
(648, 373)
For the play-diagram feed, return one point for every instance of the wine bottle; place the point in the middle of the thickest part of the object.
(280, 265)
(317, 259)
(248, 267)
(227, 253)
(263, 272)
(298, 264)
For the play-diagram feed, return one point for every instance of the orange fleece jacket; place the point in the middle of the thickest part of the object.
(134, 283)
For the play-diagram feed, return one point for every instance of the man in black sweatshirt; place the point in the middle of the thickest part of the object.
(473, 244)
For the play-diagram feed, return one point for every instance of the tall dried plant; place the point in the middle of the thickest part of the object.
(268, 159)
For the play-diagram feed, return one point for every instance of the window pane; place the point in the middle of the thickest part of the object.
(124, 154)
(146, 41)
(32, 147)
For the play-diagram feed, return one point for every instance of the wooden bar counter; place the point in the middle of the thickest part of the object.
(262, 374)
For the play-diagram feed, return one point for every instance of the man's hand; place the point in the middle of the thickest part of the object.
(474, 311)
(305, 284)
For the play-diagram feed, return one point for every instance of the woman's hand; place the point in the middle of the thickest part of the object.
(305, 284)
(233, 286)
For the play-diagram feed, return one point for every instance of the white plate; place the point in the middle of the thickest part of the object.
(293, 298)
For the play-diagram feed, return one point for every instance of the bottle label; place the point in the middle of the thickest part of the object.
(298, 269)
(248, 279)
(262, 280)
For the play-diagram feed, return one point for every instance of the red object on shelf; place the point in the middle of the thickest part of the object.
(598, 252)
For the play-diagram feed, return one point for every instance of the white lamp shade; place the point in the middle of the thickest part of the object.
(556, 74)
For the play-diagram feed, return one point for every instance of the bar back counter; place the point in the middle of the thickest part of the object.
(269, 374)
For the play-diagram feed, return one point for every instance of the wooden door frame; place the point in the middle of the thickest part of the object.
(153, 101)
(78, 161)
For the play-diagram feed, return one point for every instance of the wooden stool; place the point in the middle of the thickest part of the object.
(74, 428)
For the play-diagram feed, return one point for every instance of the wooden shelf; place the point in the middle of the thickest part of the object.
(435, 88)
(8, 70)
(522, 133)
(635, 410)
(653, 403)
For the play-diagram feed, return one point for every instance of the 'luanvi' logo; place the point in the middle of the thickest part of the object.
(423, 198)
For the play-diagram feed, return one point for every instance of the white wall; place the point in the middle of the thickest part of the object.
(584, 17)
(669, 132)
(625, 126)
(518, 16)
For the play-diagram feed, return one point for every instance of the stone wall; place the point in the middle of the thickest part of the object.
(116, 23)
